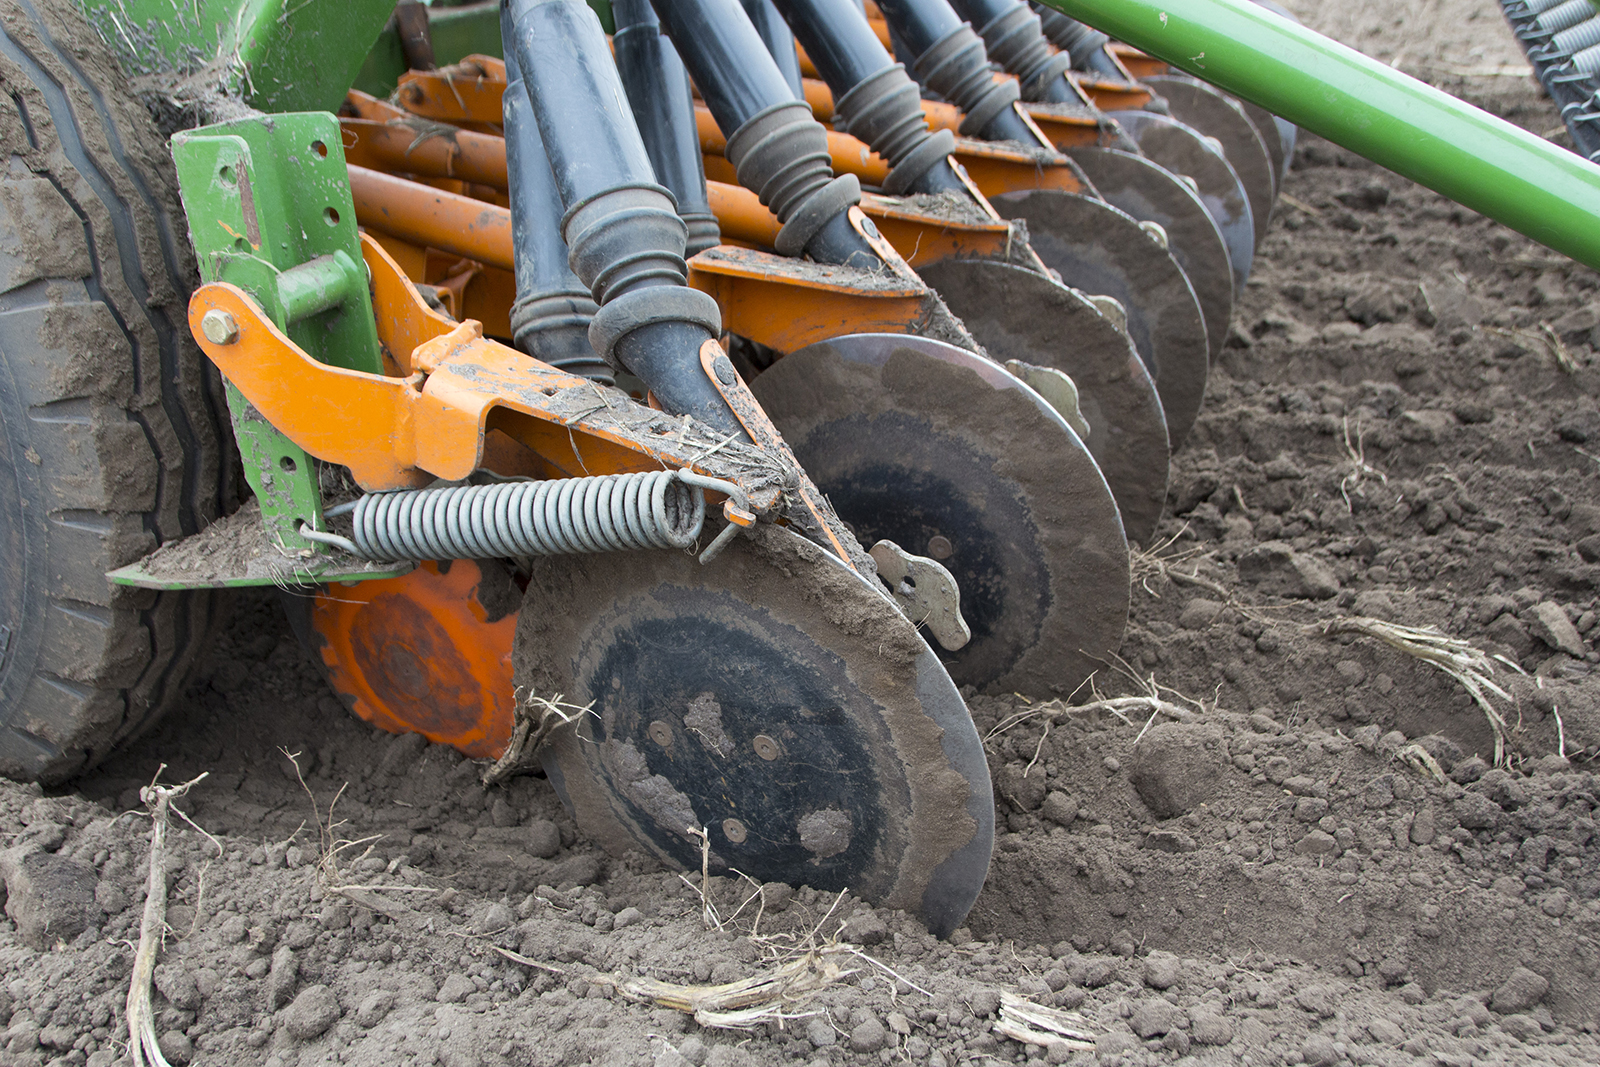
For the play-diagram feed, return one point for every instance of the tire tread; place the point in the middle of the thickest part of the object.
(130, 418)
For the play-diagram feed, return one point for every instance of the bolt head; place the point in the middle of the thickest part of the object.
(939, 547)
(660, 733)
(734, 831)
(765, 747)
(219, 327)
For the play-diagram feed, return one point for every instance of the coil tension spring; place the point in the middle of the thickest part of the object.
(606, 513)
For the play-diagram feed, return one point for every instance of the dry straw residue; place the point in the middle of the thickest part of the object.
(1467, 664)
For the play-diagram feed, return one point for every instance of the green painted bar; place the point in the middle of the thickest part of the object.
(282, 55)
(1415, 130)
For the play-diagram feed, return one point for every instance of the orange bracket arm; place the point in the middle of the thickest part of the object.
(469, 91)
(396, 433)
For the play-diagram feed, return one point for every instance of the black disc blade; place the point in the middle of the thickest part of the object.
(1186, 151)
(1099, 249)
(1217, 115)
(772, 698)
(1151, 193)
(1279, 146)
(1015, 313)
(947, 455)
(1268, 123)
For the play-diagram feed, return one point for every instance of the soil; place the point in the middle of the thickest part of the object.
(1265, 872)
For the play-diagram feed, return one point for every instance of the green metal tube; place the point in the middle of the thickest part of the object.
(316, 286)
(1415, 130)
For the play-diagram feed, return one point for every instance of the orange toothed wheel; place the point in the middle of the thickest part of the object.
(428, 652)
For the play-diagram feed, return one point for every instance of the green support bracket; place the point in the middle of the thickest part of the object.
(269, 209)
(279, 55)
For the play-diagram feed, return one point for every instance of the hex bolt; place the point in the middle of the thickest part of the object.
(219, 327)
(734, 831)
(660, 733)
(765, 747)
(939, 547)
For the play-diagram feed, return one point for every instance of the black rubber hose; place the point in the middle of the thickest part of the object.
(874, 99)
(553, 308)
(839, 40)
(1012, 33)
(777, 149)
(920, 24)
(1085, 45)
(779, 41)
(953, 62)
(663, 108)
(624, 237)
(736, 75)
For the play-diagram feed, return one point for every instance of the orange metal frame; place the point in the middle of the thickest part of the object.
(466, 92)
(418, 653)
(458, 402)
(469, 94)
(1055, 127)
(992, 167)
(779, 302)
(1135, 62)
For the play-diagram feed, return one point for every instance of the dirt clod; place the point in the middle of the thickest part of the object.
(1523, 990)
(311, 1012)
(1175, 767)
(48, 896)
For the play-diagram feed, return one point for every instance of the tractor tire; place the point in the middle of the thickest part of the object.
(113, 428)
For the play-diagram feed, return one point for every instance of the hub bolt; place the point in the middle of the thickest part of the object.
(660, 733)
(939, 547)
(765, 747)
(734, 831)
(219, 327)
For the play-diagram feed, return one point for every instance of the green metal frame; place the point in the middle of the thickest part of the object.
(1415, 130)
(458, 32)
(281, 55)
(270, 211)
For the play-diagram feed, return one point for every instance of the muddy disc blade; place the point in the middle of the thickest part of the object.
(1184, 150)
(1217, 115)
(1277, 135)
(947, 455)
(1151, 193)
(1018, 314)
(772, 698)
(1098, 249)
(1266, 121)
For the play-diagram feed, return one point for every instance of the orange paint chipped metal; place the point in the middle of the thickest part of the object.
(418, 654)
